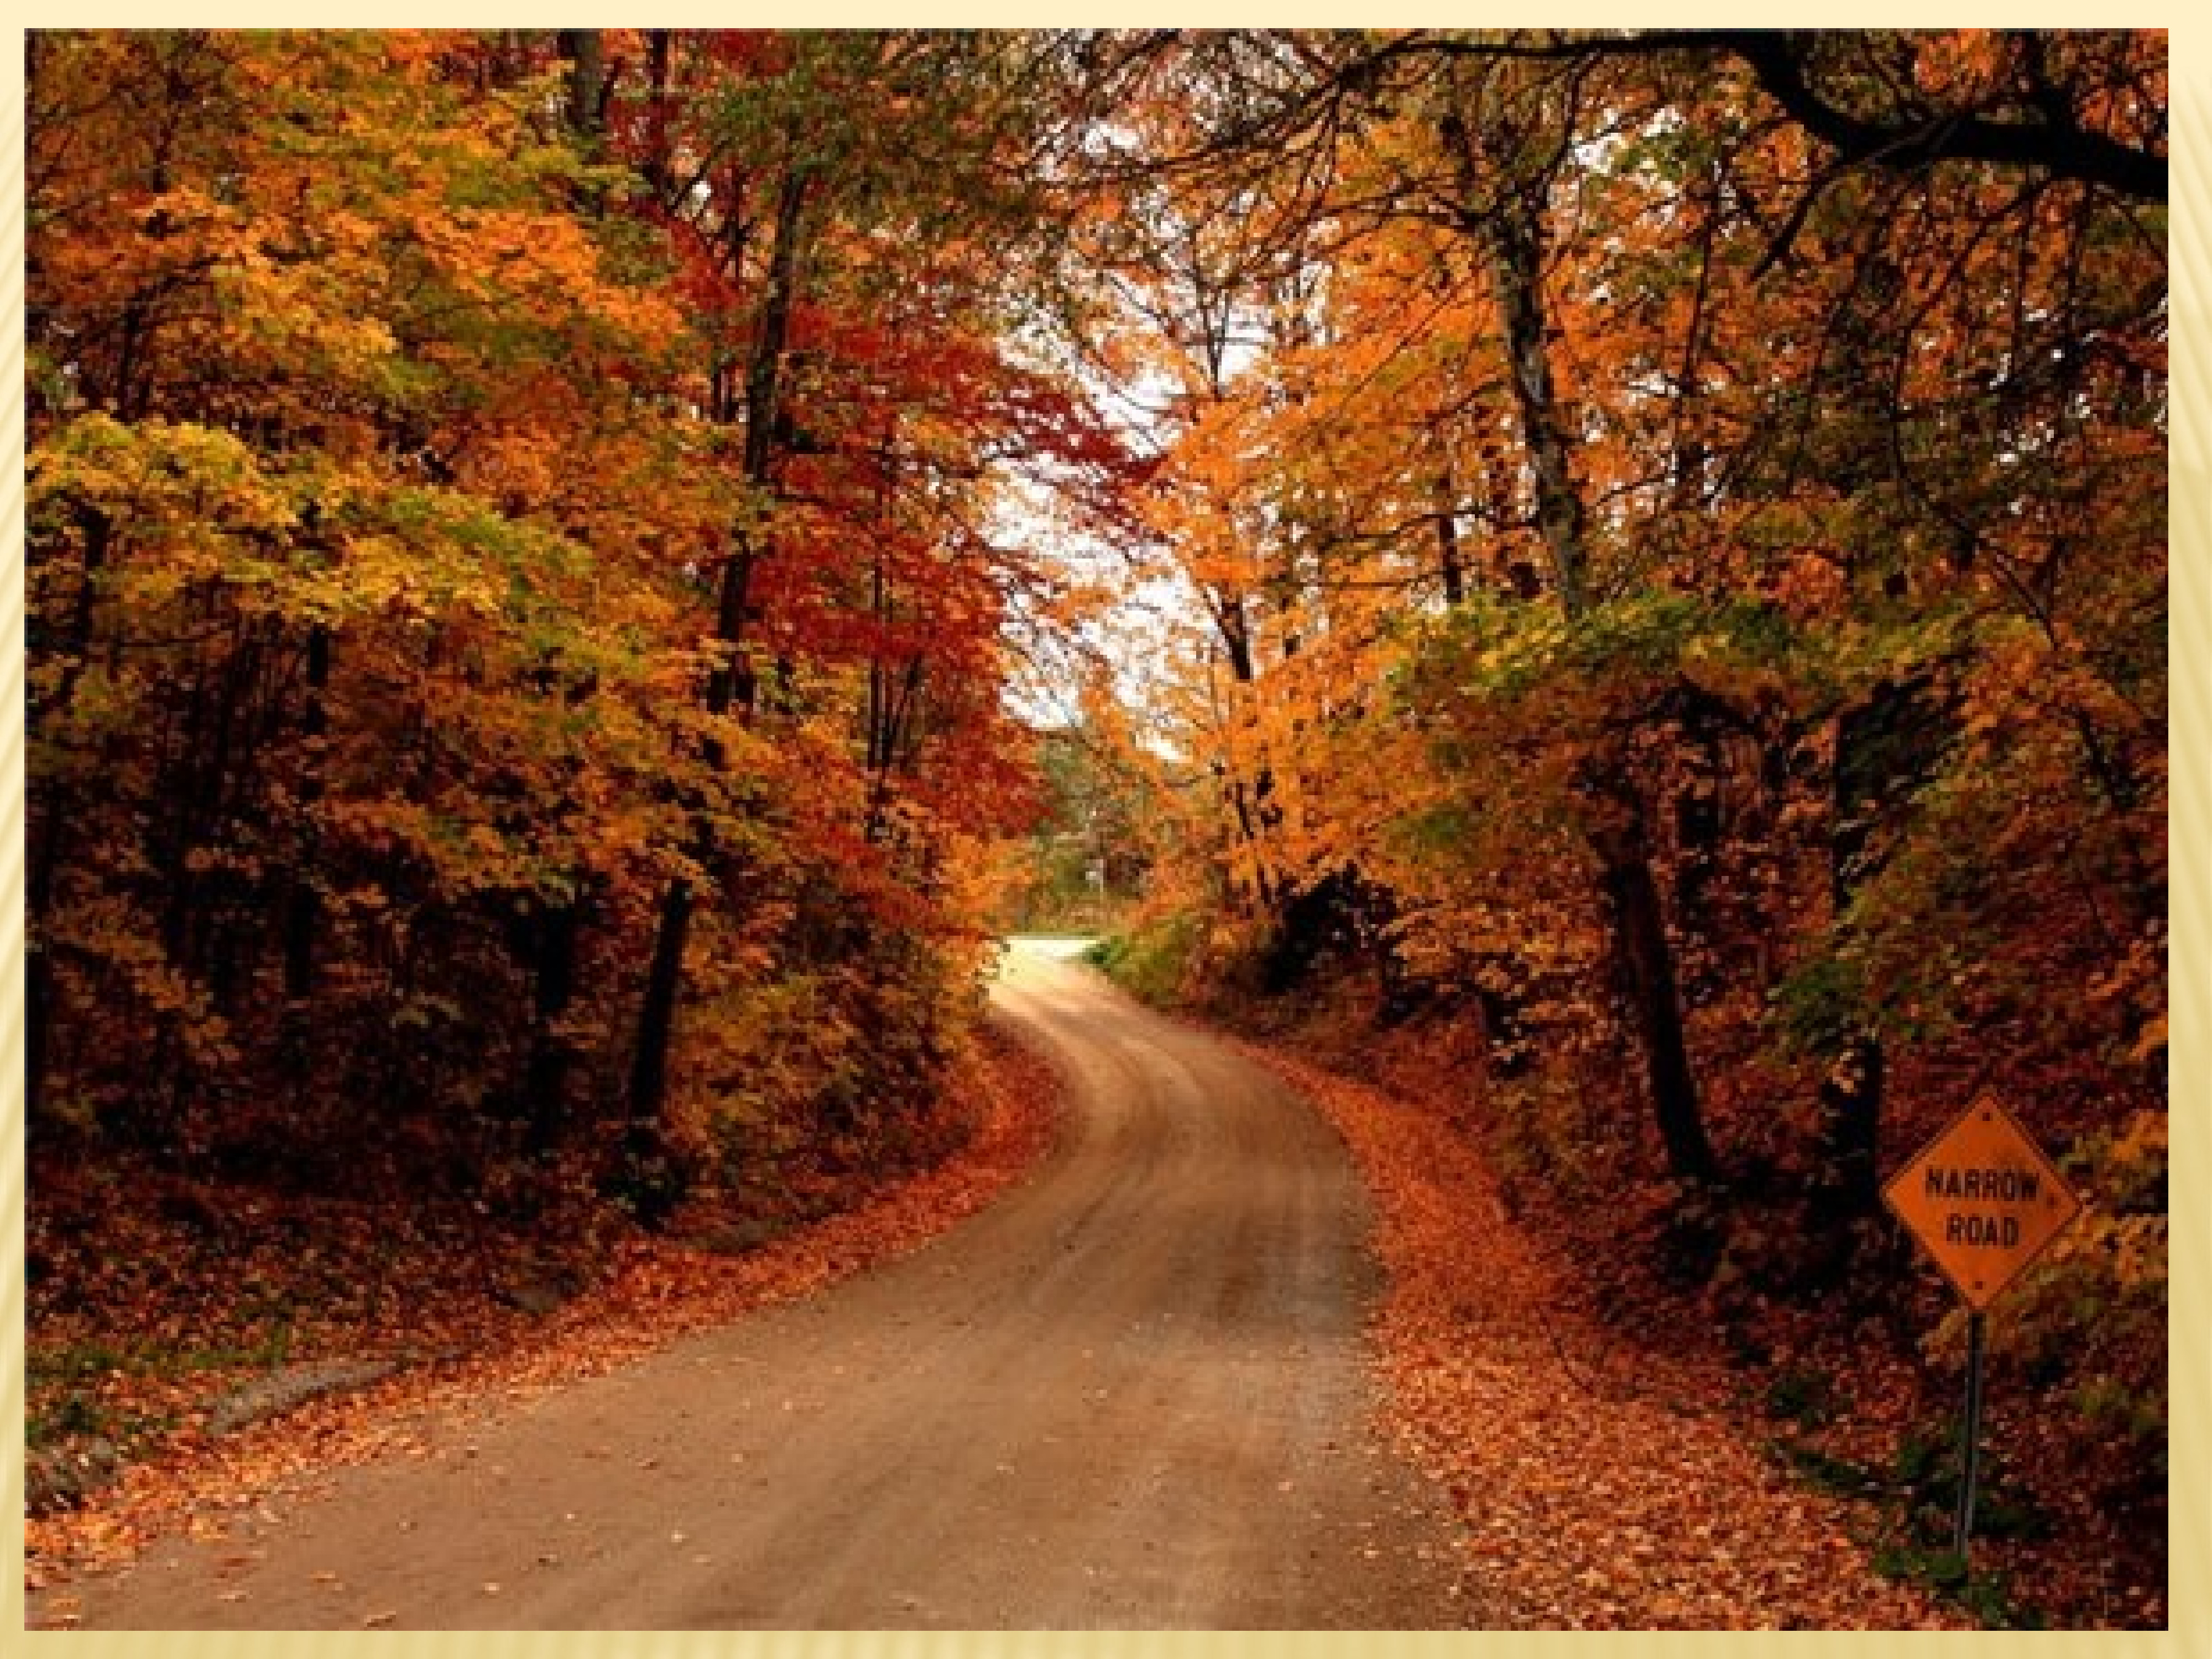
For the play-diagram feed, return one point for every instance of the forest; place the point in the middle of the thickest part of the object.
(578, 581)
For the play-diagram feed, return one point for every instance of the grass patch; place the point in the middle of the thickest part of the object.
(1806, 1397)
(1151, 961)
(1830, 1474)
(1916, 1498)
(67, 1387)
(1986, 1594)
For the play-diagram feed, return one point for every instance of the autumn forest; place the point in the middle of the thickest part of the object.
(1611, 586)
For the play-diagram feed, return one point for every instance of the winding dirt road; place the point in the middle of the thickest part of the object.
(1129, 1395)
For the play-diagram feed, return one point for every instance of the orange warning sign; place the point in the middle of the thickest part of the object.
(1982, 1200)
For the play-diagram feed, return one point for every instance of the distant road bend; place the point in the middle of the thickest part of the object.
(1128, 1394)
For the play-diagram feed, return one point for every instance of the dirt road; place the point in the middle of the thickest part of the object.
(1130, 1395)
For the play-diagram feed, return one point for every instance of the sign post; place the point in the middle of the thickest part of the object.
(1970, 1451)
(1982, 1200)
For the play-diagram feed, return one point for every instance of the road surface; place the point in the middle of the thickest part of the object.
(1128, 1394)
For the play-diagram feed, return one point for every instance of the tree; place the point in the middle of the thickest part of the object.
(508, 514)
(1777, 322)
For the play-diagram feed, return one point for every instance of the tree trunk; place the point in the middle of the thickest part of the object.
(731, 682)
(586, 55)
(554, 930)
(648, 1076)
(52, 840)
(1505, 214)
(303, 915)
(658, 165)
(1501, 207)
(1448, 564)
(1647, 963)
(1885, 749)
(1850, 1131)
(1516, 247)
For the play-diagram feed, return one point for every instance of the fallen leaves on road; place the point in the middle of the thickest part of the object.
(1601, 1487)
(654, 1292)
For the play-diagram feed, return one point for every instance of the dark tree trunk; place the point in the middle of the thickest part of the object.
(649, 1076)
(1646, 958)
(38, 990)
(556, 929)
(731, 683)
(1850, 1132)
(586, 53)
(658, 167)
(51, 842)
(1886, 750)
(303, 915)
(1449, 562)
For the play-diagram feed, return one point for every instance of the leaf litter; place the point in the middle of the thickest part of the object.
(1600, 1485)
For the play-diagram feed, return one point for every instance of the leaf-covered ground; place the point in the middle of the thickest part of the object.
(465, 1344)
(1605, 1485)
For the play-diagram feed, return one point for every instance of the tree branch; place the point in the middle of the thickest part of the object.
(2065, 151)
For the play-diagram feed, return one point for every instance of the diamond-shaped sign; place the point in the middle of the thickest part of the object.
(1982, 1200)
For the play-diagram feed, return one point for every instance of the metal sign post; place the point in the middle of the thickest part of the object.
(1970, 1451)
(1982, 1200)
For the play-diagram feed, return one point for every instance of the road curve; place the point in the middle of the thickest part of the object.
(1128, 1394)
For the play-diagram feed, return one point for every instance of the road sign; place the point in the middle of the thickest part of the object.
(1982, 1200)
